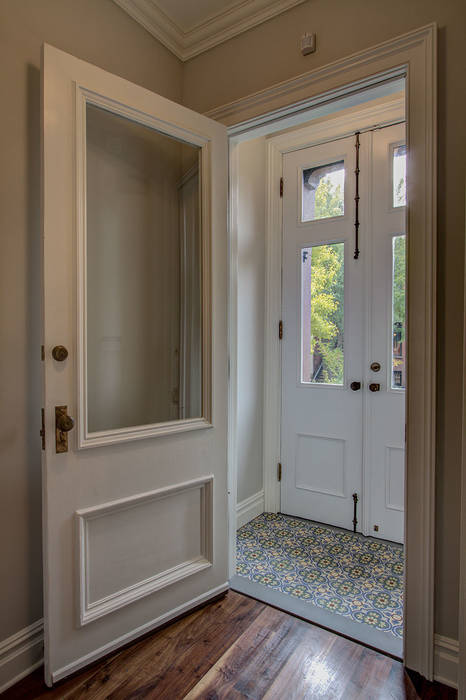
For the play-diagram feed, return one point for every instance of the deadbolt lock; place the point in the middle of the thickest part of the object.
(59, 353)
(374, 387)
(63, 424)
(376, 366)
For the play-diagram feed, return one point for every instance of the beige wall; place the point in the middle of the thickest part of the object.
(268, 54)
(100, 32)
(250, 315)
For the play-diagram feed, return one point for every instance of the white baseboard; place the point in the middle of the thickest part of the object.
(21, 654)
(446, 660)
(250, 508)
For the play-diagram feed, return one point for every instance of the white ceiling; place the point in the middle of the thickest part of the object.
(189, 27)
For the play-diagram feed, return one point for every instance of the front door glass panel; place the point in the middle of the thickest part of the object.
(322, 314)
(143, 275)
(323, 191)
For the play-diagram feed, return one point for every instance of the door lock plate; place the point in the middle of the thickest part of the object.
(63, 424)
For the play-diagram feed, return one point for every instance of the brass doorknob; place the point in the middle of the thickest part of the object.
(59, 353)
(355, 386)
(374, 387)
(65, 423)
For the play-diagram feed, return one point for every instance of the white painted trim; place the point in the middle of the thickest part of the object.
(138, 632)
(250, 508)
(232, 352)
(21, 654)
(92, 610)
(86, 439)
(446, 660)
(462, 587)
(186, 42)
(339, 78)
(415, 55)
(26, 672)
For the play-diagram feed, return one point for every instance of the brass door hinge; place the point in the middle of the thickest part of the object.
(280, 329)
(42, 428)
(281, 187)
(279, 471)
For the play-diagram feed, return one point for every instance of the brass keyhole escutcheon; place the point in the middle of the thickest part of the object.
(59, 353)
(376, 366)
(374, 387)
(63, 424)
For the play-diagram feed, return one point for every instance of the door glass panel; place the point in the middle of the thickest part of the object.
(399, 312)
(322, 314)
(323, 191)
(399, 176)
(143, 275)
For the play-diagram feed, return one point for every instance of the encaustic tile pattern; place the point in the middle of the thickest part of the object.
(344, 572)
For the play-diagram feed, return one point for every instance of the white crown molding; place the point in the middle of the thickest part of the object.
(212, 31)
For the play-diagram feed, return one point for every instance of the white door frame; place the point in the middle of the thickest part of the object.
(462, 596)
(415, 55)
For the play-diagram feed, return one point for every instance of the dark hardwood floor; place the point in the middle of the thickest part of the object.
(235, 648)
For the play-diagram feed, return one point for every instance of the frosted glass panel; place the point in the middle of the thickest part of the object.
(322, 314)
(143, 272)
(323, 191)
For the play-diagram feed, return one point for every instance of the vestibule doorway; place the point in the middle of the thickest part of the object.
(344, 332)
(342, 347)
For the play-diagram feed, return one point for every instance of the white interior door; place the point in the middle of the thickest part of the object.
(135, 530)
(344, 345)
(323, 330)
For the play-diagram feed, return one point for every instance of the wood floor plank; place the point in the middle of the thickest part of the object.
(277, 658)
(238, 648)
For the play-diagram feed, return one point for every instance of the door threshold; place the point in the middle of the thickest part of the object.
(358, 632)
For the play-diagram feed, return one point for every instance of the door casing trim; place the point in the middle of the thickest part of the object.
(413, 54)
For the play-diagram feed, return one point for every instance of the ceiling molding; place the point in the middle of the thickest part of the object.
(212, 31)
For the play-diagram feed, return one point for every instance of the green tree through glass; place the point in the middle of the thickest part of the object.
(327, 293)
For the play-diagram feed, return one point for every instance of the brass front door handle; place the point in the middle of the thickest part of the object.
(63, 424)
(374, 387)
(355, 386)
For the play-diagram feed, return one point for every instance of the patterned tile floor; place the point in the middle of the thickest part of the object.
(346, 573)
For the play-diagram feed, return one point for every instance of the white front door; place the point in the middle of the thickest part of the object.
(134, 272)
(340, 439)
(321, 414)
